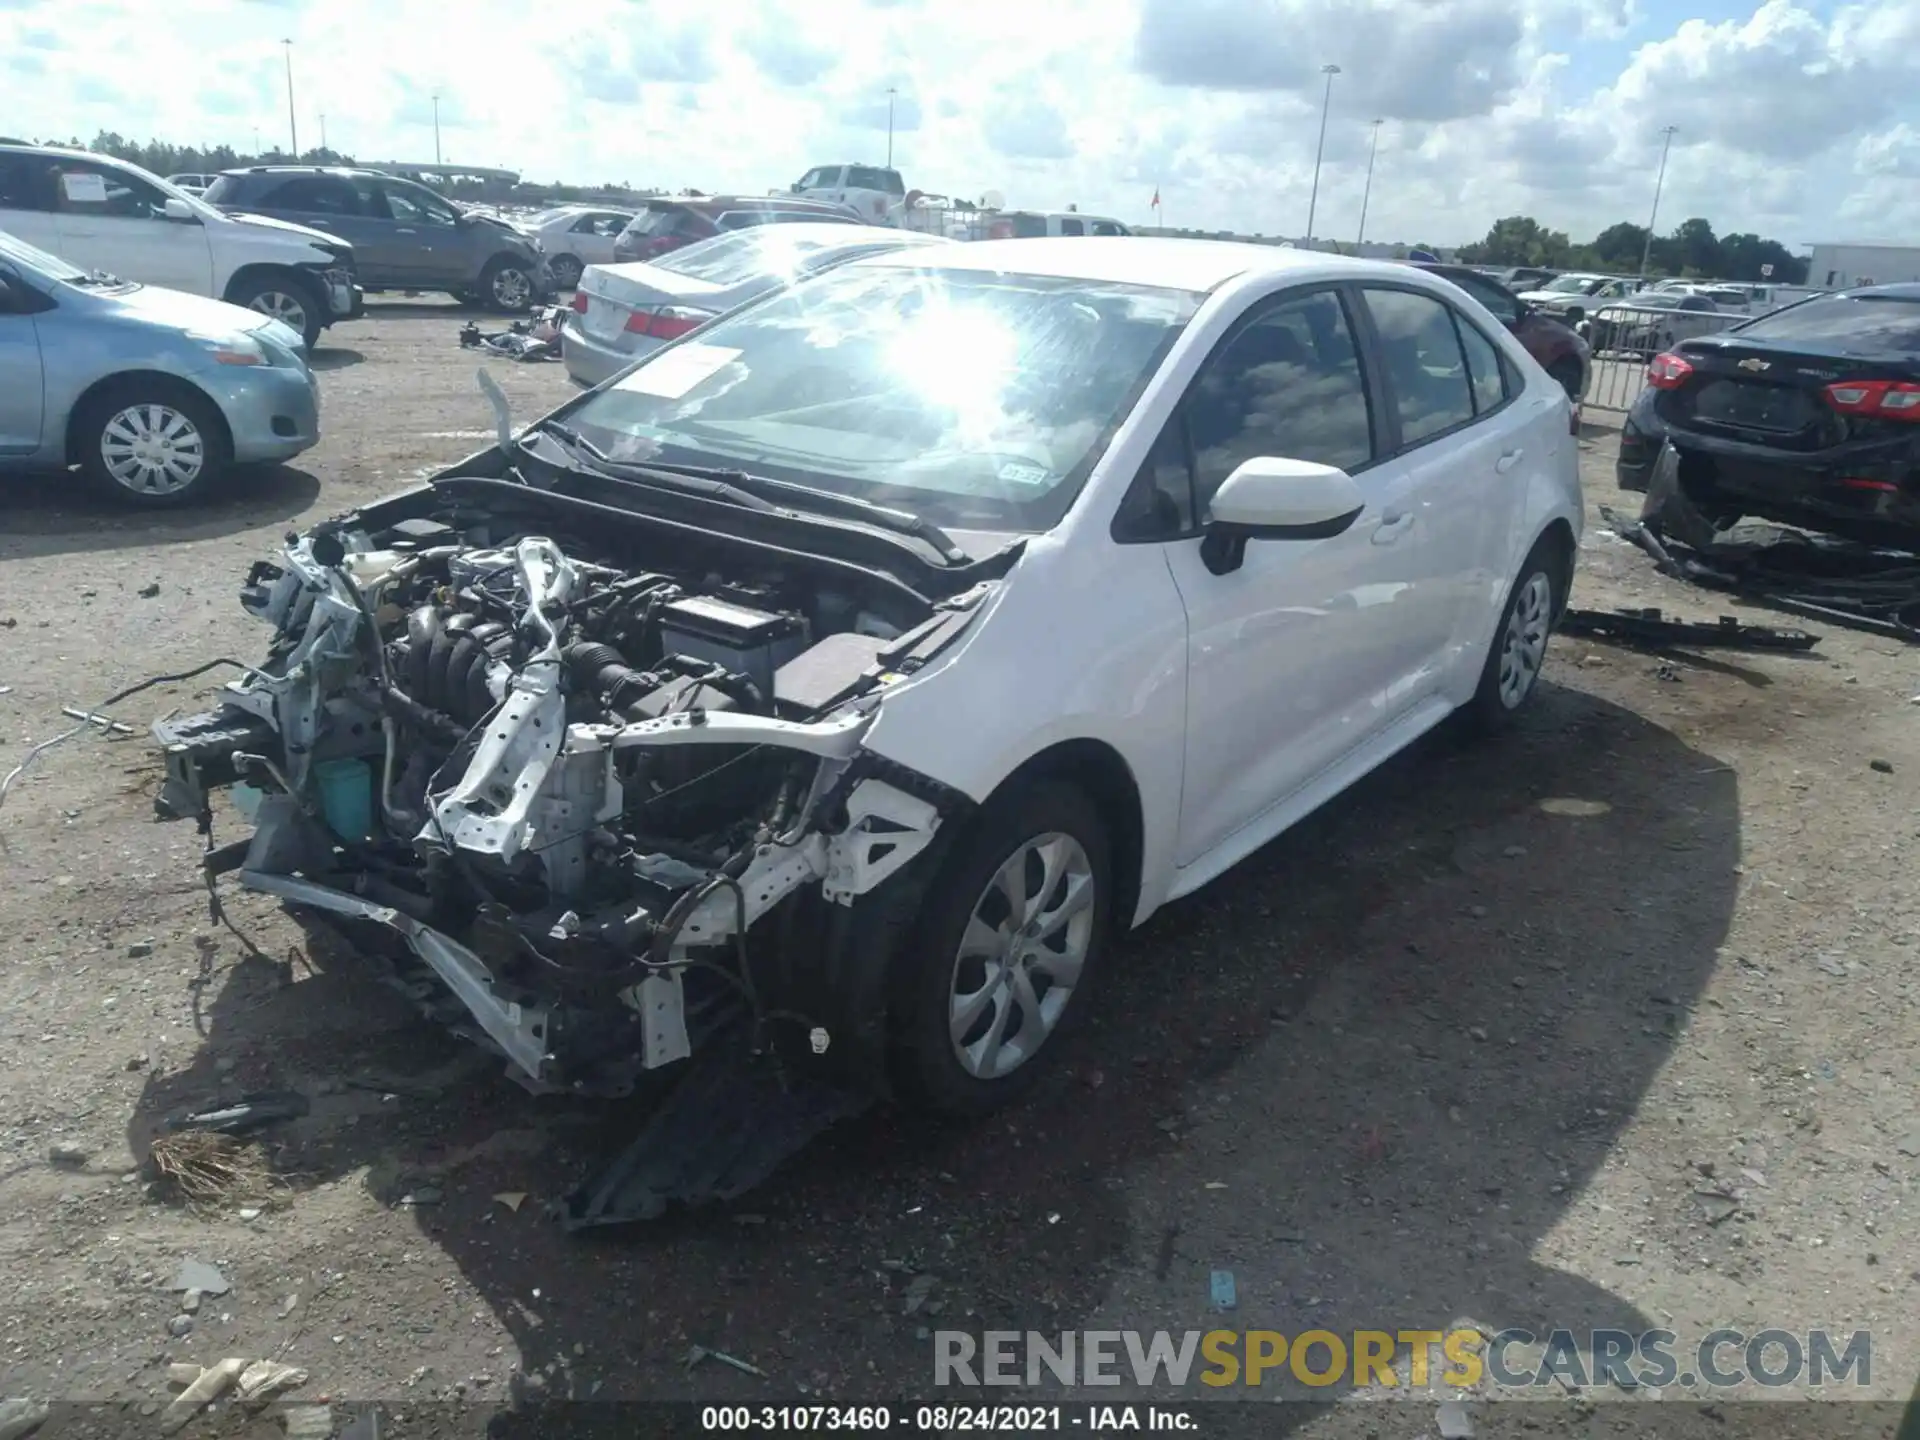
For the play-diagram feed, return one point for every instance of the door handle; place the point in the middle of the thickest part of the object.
(404, 231)
(1392, 527)
(1507, 461)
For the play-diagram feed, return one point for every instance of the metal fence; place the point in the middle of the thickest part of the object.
(1621, 352)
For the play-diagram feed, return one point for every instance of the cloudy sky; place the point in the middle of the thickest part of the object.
(1799, 119)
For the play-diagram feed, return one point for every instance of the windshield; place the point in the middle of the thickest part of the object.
(973, 399)
(1650, 301)
(819, 177)
(50, 267)
(1845, 322)
(1575, 284)
(741, 254)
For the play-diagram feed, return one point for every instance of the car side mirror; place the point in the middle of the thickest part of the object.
(1273, 498)
(180, 212)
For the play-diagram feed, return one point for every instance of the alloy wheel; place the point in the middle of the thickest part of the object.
(153, 449)
(512, 288)
(1021, 955)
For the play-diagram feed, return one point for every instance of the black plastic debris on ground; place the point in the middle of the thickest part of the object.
(250, 1112)
(1654, 628)
(1814, 576)
(727, 1125)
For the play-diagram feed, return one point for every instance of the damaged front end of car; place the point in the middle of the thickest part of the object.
(595, 785)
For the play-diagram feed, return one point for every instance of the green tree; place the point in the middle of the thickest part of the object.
(1619, 247)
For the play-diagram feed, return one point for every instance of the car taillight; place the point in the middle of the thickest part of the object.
(669, 322)
(580, 302)
(1880, 399)
(1000, 230)
(1668, 371)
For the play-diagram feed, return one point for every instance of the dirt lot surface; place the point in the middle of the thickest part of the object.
(1442, 1053)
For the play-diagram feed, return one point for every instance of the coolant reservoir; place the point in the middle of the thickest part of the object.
(369, 567)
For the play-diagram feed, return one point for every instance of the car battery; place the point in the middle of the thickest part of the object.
(753, 642)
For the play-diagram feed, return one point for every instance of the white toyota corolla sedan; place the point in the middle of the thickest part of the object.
(850, 671)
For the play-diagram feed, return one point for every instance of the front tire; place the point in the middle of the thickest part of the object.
(1519, 650)
(506, 286)
(151, 444)
(291, 301)
(998, 964)
(566, 271)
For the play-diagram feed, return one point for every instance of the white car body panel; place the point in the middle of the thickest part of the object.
(1368, 645)
(200, 255)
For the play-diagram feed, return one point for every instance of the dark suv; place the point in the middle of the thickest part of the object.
(404, 236)
(666, 224)
(1561, 353)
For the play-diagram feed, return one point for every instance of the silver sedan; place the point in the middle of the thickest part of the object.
(153, 393)
(622, 312)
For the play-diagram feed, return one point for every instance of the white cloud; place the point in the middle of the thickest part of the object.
(1790, 113)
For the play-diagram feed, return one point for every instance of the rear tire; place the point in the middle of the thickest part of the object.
(566, 271)
(151, 443)
(982, 999)
(1511, 673)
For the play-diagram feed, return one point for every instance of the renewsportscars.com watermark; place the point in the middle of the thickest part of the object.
(1514, 1358)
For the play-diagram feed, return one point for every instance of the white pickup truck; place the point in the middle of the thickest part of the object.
(875, 193)
(103, 214)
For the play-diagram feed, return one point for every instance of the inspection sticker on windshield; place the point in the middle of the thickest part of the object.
(677, 371)
(84, 187)
(1018, 472)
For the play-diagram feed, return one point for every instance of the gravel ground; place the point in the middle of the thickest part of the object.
(1440, 1053)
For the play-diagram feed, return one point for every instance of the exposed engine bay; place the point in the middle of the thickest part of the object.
(564, 761)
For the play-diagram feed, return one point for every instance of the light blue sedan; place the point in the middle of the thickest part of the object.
(153, 393)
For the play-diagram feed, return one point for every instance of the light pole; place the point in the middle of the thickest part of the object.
(1367, 194)
(1326, 104)
(293, 132)
(891, 92)
(436, 127)
(323, 130)
(1666, 143)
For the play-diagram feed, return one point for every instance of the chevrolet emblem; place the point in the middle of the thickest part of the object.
(1755, 365)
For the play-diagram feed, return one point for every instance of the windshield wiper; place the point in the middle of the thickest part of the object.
(663, 477)
(901, 522)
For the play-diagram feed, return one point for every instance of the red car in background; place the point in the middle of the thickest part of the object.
(1561, 353)
(667, 223)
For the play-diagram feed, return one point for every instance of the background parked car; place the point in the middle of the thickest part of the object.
(873, 192)
(667, 225)
(98, 213)
(1651, 322)
(623, 311)
(575, 237)
(405, 237)
(1808, 416)
(1030, 224)
(192, 184)
(1559, 351)
(1573, 298)
(152, 393)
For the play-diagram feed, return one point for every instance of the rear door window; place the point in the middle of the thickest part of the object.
(1421, 351)
(1107, 227)
(1028, 227)
(319, 194)
(26, 182)
(1484, 370)
(1071, 226)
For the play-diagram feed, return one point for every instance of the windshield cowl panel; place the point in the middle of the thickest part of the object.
(976, 401)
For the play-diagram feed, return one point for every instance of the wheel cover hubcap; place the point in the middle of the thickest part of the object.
(1021, 955)
(153, 449)
(511, 287)
(1524, 645)
(283, 307)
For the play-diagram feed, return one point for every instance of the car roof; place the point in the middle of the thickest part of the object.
(1196, 265)
(1904, 290)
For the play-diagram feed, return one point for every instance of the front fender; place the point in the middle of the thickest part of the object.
(1072, 648)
